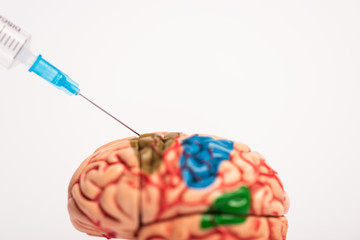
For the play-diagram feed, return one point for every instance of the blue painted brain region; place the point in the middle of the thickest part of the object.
(201, 158)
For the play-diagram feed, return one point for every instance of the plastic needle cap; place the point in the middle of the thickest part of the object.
(54, 76)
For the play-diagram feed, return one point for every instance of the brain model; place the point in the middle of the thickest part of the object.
(175, 186)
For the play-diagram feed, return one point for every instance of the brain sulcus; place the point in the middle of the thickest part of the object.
(179, 187)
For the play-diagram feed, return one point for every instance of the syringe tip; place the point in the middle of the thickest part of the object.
(54, 76)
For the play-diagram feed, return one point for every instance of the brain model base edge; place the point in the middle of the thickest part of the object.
(173, 186)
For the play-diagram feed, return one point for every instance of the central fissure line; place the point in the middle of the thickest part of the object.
(149, 149)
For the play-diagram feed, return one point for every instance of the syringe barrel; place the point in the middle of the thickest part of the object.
(12, 40)
(13, 48)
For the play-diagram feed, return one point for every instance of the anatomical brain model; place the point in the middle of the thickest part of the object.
(179, 187)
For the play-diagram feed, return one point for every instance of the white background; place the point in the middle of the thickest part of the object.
(281, 76)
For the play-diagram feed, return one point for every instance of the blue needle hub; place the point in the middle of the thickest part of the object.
(54, 76)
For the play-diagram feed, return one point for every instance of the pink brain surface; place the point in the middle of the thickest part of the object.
(173, 186)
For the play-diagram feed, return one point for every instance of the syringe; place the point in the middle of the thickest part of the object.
(14, 47)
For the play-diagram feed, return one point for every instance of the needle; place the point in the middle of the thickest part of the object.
(109, 114)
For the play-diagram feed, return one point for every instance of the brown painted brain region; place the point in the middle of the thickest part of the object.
(175, 186)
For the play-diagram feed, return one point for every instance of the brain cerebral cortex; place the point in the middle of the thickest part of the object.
(201, 158)
(180, 187)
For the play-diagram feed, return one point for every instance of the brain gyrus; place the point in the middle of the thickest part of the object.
(179, 187)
